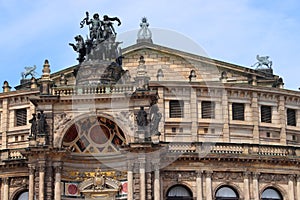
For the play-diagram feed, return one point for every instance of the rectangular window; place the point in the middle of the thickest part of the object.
(21, 117)
(266, 114)
(208, 109)
(291, 117)
(176, 109)
(238, 111)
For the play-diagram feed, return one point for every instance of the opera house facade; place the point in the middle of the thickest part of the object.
(149, 122)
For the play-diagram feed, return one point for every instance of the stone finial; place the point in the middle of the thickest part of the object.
(45, 82)
(144, 34)
(63, 80)
(33, 83)
(142, 79)
(46, 70)
(6, 87)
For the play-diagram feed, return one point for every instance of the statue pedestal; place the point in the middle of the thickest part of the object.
(32, 142)
(155, 139)
(141, 135)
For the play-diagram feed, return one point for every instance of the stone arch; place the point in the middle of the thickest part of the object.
(179, 187)
(71, 122)
(91, 133)
(277, 188)
(234, 187)
(18, 192)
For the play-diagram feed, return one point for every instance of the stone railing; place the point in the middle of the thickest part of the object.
(11, 154)
(15, 155)
(88, 90)
(231, 148)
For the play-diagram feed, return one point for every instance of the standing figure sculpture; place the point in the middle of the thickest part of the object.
(108, 29)
(141, 119)
(41, 123)
(155, 118)
(95, 26)
(33, 129)
(144, 32)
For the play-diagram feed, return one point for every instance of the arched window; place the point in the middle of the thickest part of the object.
(226, 193)
(22, 196)
(179, 192)
(271, 194)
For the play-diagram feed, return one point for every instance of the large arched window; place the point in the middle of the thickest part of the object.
(179, 192)
(22, 196)
(94, 135)
(226, 193)
(271, 194)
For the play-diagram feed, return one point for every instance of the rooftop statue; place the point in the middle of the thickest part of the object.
(28, 71)
(144, 34)
(100, 29)
(79, 47)
(101, 42)
(263, 61)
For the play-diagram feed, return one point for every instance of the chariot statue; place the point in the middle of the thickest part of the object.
(101, 42)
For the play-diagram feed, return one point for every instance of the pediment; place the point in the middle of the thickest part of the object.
(176, 65)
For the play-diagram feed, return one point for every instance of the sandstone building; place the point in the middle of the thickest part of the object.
(158, 124)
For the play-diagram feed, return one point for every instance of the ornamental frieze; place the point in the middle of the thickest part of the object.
(18, 181)
(278, 178)
(228, 176)
(180, 175)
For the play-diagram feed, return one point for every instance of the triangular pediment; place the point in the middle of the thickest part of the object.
(176, 65)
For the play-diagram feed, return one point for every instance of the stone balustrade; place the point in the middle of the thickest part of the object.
(11, 154)
(233, 148)
(88, 90)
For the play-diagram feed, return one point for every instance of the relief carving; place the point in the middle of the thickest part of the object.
(60, 121)
(18, 181)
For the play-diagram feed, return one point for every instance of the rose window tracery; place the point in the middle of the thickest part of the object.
(94, 135)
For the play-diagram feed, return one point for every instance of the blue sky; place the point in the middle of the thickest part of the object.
(233, 31)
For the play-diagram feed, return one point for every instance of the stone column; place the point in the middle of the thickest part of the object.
(291, 194)
(4, 124)
(194, 110)
(298, 187)
(57, 187)
(225, 115)
(5, 182)
(255, 116)
(142, 179)
(255, 186)
(199, 185)
(130, 180)
(156, 181)
(246, 186)
(42, 169)
(208, 185)
(282, 114)
(31, 182)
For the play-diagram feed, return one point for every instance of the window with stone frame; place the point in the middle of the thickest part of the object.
(238, 111)
(208, 109)
(176, 109)
(266, 114)
(21, 117)
(291, 117)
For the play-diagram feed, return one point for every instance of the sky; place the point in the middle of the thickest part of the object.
(233, 31)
